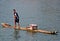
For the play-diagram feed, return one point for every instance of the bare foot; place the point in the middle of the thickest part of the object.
(19, 27)
(14, 27)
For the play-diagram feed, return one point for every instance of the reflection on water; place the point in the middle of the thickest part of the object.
(16, 35)
(31, 36)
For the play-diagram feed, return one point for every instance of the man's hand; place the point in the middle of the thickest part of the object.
(14, 16)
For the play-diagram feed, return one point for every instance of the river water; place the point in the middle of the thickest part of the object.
(44, 13)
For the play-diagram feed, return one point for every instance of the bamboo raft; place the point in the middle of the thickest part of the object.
(6, 25)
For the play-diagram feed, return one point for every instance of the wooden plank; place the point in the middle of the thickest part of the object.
(6, 25)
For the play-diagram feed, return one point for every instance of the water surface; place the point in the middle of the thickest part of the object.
(44, 13)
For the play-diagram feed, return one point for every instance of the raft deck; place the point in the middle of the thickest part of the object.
(5, 25)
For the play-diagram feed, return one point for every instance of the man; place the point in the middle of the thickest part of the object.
(16, 19)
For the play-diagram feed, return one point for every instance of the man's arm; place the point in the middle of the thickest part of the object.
(14, 15)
